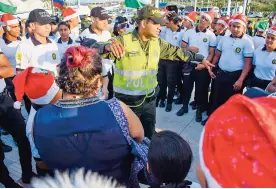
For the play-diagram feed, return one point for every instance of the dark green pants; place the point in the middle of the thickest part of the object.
(146, 112)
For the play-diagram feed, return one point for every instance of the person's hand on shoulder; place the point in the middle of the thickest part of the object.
(116, 48)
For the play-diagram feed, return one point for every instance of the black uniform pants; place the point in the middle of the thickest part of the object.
(110, 84)
(202, 82)
(260, 83)
(168, 77)
(145, 112)
(12, 121)
(187, 87)
(224, 87)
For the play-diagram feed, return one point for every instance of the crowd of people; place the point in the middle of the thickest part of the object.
(91, 97)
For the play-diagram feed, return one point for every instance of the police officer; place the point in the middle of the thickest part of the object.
(168, 71)
(136, 57)
(12, 120)
(234, 57)
(264, 61)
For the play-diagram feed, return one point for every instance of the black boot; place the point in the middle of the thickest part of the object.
(162, 104)
(198, 115)
(183, 111)
(204, 122)
(168, 108)
(6, 148)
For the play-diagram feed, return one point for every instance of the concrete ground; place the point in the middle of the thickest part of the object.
(185, 125)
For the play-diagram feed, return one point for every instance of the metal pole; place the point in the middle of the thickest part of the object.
(78, 3)
(53, 9)
(244, 6)
(195, 5)
(229, 8)
(156, 3)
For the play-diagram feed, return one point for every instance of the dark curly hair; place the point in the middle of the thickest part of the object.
(80, 71)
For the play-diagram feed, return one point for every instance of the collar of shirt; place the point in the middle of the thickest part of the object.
(221, 34)
(197, 30)
(69, 42)
(264, 48)
(260, 36)
(36, 42)
(8, 41)
(237, 37)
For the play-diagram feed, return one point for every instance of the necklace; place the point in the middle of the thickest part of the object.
(78, 102)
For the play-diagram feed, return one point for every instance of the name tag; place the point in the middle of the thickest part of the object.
(133, 53)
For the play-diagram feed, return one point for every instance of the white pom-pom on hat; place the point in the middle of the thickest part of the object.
(17, 105)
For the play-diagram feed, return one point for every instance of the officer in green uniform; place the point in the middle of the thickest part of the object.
(136, 56)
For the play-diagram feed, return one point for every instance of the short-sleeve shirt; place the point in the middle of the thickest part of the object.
(233, 51)
(75, 33)
(2, 81)
(259, 41)
(31, 52)
(174, 38)
(202, 40)
(9, 49)
(89, 33)
(265, 63)
(63, 46)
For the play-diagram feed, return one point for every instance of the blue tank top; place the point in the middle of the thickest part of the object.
(84, 133)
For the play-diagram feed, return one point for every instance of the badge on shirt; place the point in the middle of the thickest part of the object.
(274, 61)
(54, 56)
(133, 53)
(18, 56)
(238, 50)
(156, 54)
(205, 40)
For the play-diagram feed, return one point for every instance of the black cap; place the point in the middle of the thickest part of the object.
(100, 13)
(41, 16)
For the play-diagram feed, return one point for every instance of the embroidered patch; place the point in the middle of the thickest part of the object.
(54, 56)
(274, 61)
(238, 50)
(205, 40)
(18, 56)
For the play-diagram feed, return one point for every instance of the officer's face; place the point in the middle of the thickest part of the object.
(64, 31)
(42, 30)
(236, 29)
(152, 28)
(14, 30)
(270, 41)
(100, 24)
(204, 21)
(220, 28)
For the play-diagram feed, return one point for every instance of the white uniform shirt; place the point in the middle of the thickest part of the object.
(259, 41)
(31, 52)
(2, 81)
(265, 63)
(202, 40)
(233, 51)
(88, 33)
(75, 33)
(174, 38)
(219, 37)
(9, 49)
(63, 46)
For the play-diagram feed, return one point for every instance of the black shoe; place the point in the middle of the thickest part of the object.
(162, 104)
(168, 108)
(204, 122)
(6, 148)
(192, 103)
(183, 111)
(198, 115)
(178, 101)
(194, 107)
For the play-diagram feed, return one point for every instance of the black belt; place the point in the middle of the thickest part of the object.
(36, 106)
(227, 72)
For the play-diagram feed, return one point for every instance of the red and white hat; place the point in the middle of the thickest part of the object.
(238, 144)
(224, 21)
(240, 18)
(210, 15)
(8, 19)
(69, 13)
(191, 16)
(38, 84)
(272, 30)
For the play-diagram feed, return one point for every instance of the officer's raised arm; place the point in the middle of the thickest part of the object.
(170, 52)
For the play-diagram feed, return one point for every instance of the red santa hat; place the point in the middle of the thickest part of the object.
(241, 19)
(224, 21)
(238, 144)
(69, 13)
(272, 30)
(191, 16)
(38, 84)
(210, 15)
(8, 19)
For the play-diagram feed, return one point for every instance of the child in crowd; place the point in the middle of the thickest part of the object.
(169, 160)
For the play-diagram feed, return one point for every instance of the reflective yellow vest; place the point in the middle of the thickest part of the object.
(135, 73)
